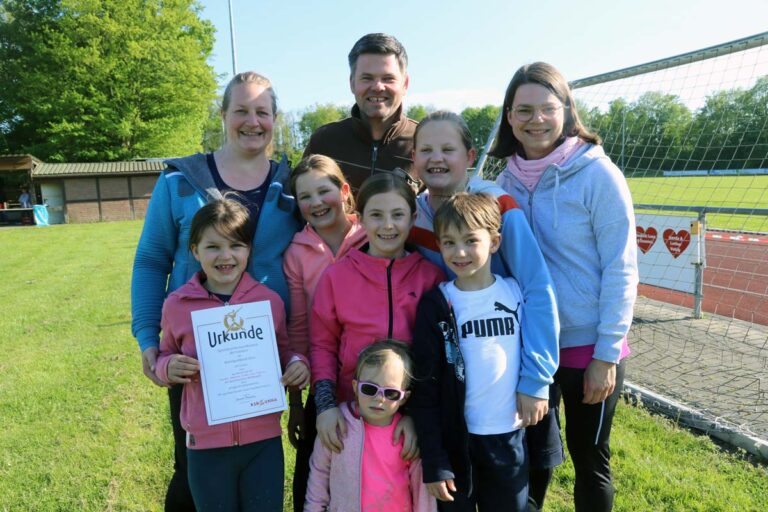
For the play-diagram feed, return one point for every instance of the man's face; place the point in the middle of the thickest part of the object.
(378, 85)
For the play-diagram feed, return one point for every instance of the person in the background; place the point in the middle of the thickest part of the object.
(163, 262)
(580, 209)
(378, 136)
(24, 200)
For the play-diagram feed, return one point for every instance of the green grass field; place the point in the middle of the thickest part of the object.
(83, 430)
(712, 192)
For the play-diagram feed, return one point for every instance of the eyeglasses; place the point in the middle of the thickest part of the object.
(526, 112)
(371, 389)
(402, 174)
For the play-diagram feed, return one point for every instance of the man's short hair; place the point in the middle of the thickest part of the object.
(378, 44)
(471, 210)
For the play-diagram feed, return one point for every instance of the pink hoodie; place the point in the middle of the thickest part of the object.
(334, 478)
(303, 263)
(178, 338)
(361, 299)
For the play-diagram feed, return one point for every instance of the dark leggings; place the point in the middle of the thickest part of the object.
(588, 434)
(178, 498)
(303, 452)
(245, 478)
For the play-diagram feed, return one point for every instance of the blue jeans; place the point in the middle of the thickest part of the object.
(499, 475)
(238, 478)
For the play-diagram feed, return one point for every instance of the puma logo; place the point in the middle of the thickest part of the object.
(498, 306)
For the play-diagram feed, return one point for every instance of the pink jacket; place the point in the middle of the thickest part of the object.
(361, 299)
(304, 262)
(178, 338)
(334, 478)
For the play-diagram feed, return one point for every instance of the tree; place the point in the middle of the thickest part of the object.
(419, 112)
(285, 138)
(316, 116)
(89, 80)
(480, 121)
(213, 130)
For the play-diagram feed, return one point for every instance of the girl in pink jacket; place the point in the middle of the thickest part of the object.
(326, 203)
(369, 475)
(370, 294)
(236, 465)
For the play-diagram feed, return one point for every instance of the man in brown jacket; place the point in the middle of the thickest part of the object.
(377, 137)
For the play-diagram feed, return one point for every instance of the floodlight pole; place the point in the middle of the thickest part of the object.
(232, 38)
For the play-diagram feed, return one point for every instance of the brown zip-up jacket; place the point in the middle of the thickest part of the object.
(349, 142)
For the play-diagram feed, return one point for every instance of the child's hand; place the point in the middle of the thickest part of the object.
(531, 409)
(331, 427)
(182, 369)
(148, 362)
(295, 425)
(440, 489)
(407, 429)
(296, 375)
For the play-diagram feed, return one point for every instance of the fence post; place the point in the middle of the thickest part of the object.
(698, 292)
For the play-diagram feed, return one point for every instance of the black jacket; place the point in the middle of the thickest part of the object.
(439, 388)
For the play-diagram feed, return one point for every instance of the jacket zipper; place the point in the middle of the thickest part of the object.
(389, 296)
(530, 209)
(374, 155)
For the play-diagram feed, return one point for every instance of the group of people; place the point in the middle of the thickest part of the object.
(440, 319)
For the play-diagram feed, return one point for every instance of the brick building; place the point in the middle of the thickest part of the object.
(97, 192)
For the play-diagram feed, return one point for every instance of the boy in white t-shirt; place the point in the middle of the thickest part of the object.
(467, 349)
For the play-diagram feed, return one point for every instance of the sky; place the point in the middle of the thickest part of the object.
(464, 53)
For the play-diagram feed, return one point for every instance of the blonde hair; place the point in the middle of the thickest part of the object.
(379, 352)
(250, 77)
(330, 169)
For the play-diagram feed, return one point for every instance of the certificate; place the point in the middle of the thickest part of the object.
(239, 363)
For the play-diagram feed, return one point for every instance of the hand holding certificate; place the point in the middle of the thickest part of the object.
(239, 362)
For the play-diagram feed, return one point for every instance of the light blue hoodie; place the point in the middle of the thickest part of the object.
(519, 257)
(163, 261)
(582, 217)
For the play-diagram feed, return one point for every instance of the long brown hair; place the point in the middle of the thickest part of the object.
(547, 76)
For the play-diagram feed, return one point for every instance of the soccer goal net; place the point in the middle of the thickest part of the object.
(690, 133)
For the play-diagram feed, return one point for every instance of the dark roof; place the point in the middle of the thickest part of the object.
(47, 170)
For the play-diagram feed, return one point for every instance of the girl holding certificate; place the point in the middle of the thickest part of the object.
(236, 465)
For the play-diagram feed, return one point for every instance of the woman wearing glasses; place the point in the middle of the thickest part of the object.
(580, 210)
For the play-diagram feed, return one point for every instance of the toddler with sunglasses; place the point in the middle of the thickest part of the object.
(377, 477)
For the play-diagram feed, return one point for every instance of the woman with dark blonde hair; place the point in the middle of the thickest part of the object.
(163, 261)
(580, 210)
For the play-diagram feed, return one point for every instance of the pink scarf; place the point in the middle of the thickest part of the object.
(529, 171)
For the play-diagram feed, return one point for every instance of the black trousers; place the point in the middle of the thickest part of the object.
(588, 435)
(303, 453)
(178, 498)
